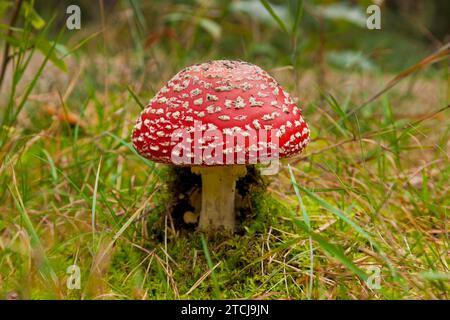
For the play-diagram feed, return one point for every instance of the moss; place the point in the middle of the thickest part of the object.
(175, 198)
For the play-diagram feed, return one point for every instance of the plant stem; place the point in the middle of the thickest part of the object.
(5, 58)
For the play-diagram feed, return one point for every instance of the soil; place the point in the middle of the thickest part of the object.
(185, 189)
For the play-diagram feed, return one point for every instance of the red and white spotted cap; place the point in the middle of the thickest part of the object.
(229, 97)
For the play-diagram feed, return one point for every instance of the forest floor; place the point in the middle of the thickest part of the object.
(362, 214)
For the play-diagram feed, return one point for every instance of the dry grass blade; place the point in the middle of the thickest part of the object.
(43, 262)
(441, 54)
(201, 279)
(130, 220)
(94, 197)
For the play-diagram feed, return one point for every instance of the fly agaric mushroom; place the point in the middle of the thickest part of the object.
(218, 110)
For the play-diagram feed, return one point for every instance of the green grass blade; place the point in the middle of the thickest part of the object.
(53, 170)
(298, 17)
(45, 267)
(341, 215)
(299, 197)
(308, 224)
(269, 9)
(126, 144)
(135, 98)
(33, 83)
(329, 248)
(211, 267)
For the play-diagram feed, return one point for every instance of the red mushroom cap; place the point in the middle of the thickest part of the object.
(229, 98)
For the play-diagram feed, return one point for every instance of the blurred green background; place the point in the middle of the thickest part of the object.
(206, 29)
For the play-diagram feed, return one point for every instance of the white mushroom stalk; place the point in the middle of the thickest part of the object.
(218, 196)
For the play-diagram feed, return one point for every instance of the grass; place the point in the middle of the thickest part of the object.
(371, 190)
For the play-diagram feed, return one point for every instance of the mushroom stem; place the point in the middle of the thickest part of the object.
(218, 195)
